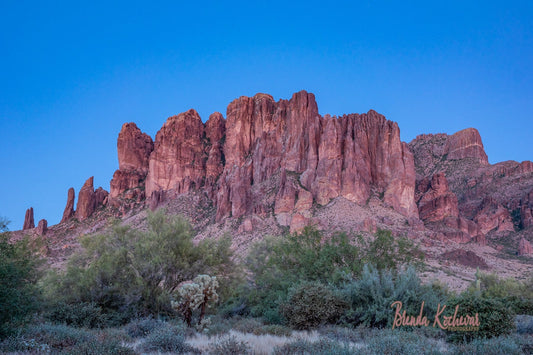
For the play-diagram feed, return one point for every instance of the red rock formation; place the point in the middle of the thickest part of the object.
(526, 211)
(100, 197)
(285, 200)
(215, 132)
(348, 156)
(493, 215)
(467, 227)
(486, 193)
(524, 247)
(86, 200)
(124, 180)
(178, 161)
(299, 222)
(156, 198)
(466, 258)
(466, 144)
(134, 149)
(436, 202)
(42, 227)
(28, 219)
(69, 208)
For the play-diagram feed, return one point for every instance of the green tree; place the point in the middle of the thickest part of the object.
(128, 270)
(19, 296)
(277, 264)
(372, 295)
(385, 251)
(495, 317)
(310, 304)
(514, 293)
(3, 224)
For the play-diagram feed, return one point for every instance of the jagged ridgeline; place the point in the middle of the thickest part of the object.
(275, 165)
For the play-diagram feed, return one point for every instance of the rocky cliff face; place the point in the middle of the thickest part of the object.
(89, 200)
(309, 158)
(134, 149)
(282, 162)
(436, 201)
(466, 144)
(490, 199)
(351, 156)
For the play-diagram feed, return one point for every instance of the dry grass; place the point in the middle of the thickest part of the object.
(259, 344)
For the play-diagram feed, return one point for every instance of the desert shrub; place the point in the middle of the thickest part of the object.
(519, 305)
(342, 334)
(495, 318)
(516, 294)
(387, 252)
(19, 296)
(273, 329)
(276, 264)
(166, 339)
(131, 272)
(84, 314)
(141, 327)
(115, 334)
(4, 224)
(493, 346)
(320, 347)
(100, 346)
(279, 263)
(16, 344)
(372, 295)
(68, 340)
(247, 325)
(230, 346)
(524, 324)
(218, 326)
(58, 336)
(310, 304)
(399, 342)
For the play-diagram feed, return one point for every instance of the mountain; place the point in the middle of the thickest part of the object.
(271, 167)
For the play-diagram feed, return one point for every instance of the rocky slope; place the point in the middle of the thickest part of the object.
(274, 166)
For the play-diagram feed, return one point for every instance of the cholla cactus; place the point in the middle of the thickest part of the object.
(198, 293)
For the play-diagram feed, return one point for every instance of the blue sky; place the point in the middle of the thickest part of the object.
(71, 74)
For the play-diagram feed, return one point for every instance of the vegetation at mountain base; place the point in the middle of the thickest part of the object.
(3, 224)
(19, 295)
(372, 295)
(514, 294)
(127, 272)
(156, 290)
(277, 264)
